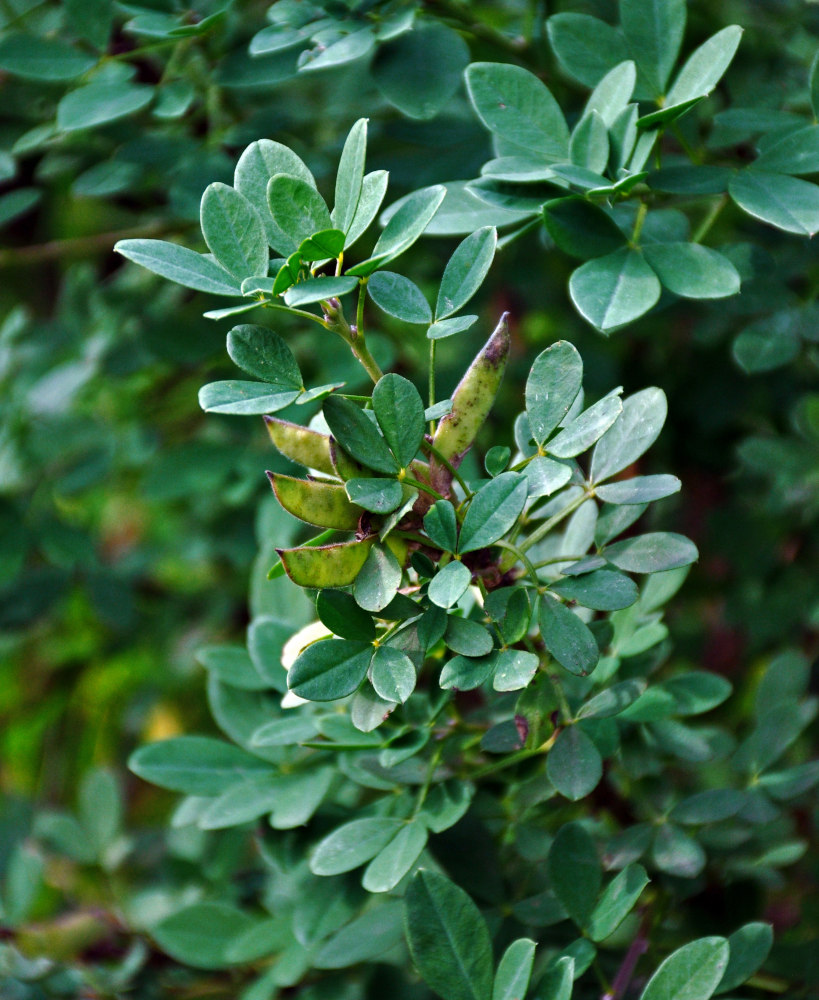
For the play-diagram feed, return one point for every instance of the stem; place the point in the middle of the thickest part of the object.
(420, 486)
(432, 384)
(462, 13)
(55, 249)
(422, 795)
(353, 336)
(547, 526)
(637, 948)
(642, 211)
(521, 557)
(514, 758)
(431, 450)
(710, 218)
(557, 559)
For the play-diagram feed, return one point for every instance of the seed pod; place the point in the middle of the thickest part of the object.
(326, 565)
(344, 465)
(301, 444)
(471, 403)
(324, 504)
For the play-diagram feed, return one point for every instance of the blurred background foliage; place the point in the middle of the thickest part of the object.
(130, 523)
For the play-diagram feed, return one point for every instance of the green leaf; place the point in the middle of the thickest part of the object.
(350, 177)
(614, 290)
(399, 297)
(34, 58)
(441, 525)
(612, 701)
(676, 853)
(640, 489)
(257, 165)
(325, 245)
(589, 145)
(298, 211)
(100, 808)
(465, 673)
(784, 202)
(565, 636)
(195, 765)
(405, 226)
(611, 95)
(22, 884)
(705, 67)
(244, 398)
(813, 84)
(467, 637)
(559, 980)
(696, 691)
(393, 862)
(552, 386)
(515, 669)
(98, 104)
(358, 435)
(692, 271)
(380, 496)
(400, 414)
(574, 765)
(392, 674)
(373, 189)
(378, 580)
(448, 938)
(185, 267)
(587, 428)
(346, 49)
(233, 231)
(586, 47)
(318, 289)
(419, 71)
(515, 105)
(187, 935)
(691, 972)
(700, 179)
(329, 669)
(617, 901)
(581, 228)
(232, 665)
(633, 433)
(654, 31)
(449, 584)
(545, 476)
(285, 732)
(749, 947)
(465, 271)
(340, 613)
(710, 806)
(514, 971)
(353, 844)
(261, 352)
(602, 590)
(767, 344)
(492, 511)
(652, 553)
(375, 932)
(574, 871)
(449, 327)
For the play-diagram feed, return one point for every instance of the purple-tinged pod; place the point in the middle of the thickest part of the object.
(301, 444)
(471, 403)
(325, 505)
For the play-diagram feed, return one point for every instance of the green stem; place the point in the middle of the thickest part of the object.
(711, 217)
(421, 486)
(432, 384)
(422, 795)
(642, 211)
(547, 526)
(431, 450)
(521, 557)
(353, 337)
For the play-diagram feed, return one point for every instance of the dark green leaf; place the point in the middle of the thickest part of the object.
(617, 901)
(187, 935)
(574, 871)
(400, 414)
(497, 459)
(36, 58)
(710, 806)
(419, 71)
(566, 637)
(448, 938)
(467, 637)
(261, 352)
(767, 344)
(233, 231)
(515, 669)
(614, 290)
(640, 489)
(492, 511)
(298, 211)
(358, 434)
(441, 525)
(465, 673)
(449, 327)
(587, 428)
(612, 701)
(392, 674)
(244, 398)
(611, 95)
(515, 105)
(375, 932)
(677, 854)
(393, 862)
(399, 297)
(654, 31)
(633, 433)
(349, 178)
(320, 246)
(784, 202)
(318, 289)
(404, 227)
(348, 48)
(586, 47)
(514, 971)
(465, 271)
(232, 665)
(340, 613)
(749, 947)
(603, 590)
(257, 165)
(705, 67)
(589, 145)
(545, 476)
(574, 765)
(329, 669)
(552, 386)
(353, 844)
(98, 104)
(581, 228)
(373, 189)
